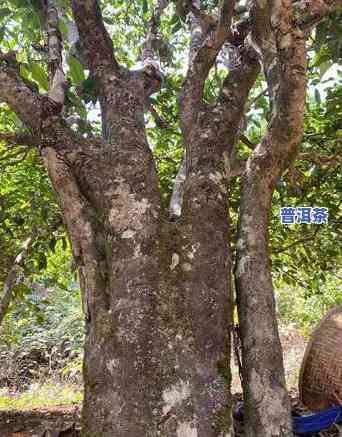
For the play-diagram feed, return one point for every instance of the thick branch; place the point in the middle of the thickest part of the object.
(57, 86)
(238, 167)
(178, 192)
(237, 84)
(22, 100)
(226, 118)
(95, 41)
(320, 159)
(152, 37)
(54, 39)
(204, 49)
(18, 139)
(225, 18)
(282, 49)
(35, 110)
(311, 12)
(25, 102)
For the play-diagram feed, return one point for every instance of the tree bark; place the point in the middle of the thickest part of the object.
(111, 206)
(267, 411)
(205, 281)
(283, 55)
(201, 259)
(156, 292)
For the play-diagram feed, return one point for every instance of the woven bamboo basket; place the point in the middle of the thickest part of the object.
(320, 379)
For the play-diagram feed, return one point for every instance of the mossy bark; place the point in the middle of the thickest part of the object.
(156, 293)
(283, 55)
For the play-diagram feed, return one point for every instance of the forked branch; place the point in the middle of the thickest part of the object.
(205, 46)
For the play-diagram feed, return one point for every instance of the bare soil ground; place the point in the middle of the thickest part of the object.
(64, 421)
(294, 345)
(47, 422)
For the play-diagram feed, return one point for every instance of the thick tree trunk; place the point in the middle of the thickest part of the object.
(207, 282)
(157, 351)
(112, 216)
(199, 301)
(267, 412)
(156, 292)
(282, 49)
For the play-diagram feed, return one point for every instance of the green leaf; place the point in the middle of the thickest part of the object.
(76, 70)
(52, 245)
(21, 3)
(4, 12)
(108, 20)
(63, 28)
(145, 7)
(64, 243)
(317, 96)
(24, 72)
(2, 32)
(89, 90)
(174, 19)
(177, 26)
(42, 261)
(40, 75)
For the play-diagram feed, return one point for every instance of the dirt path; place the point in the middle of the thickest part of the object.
(53, 421)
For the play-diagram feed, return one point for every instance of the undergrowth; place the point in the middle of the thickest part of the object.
(38, 395)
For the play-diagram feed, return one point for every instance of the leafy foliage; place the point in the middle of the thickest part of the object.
(27, 207)
(43, 335)
(296, 307)
(45, 395)
(318, 252)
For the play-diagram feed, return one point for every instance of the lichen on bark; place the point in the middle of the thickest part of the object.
(157, 289)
